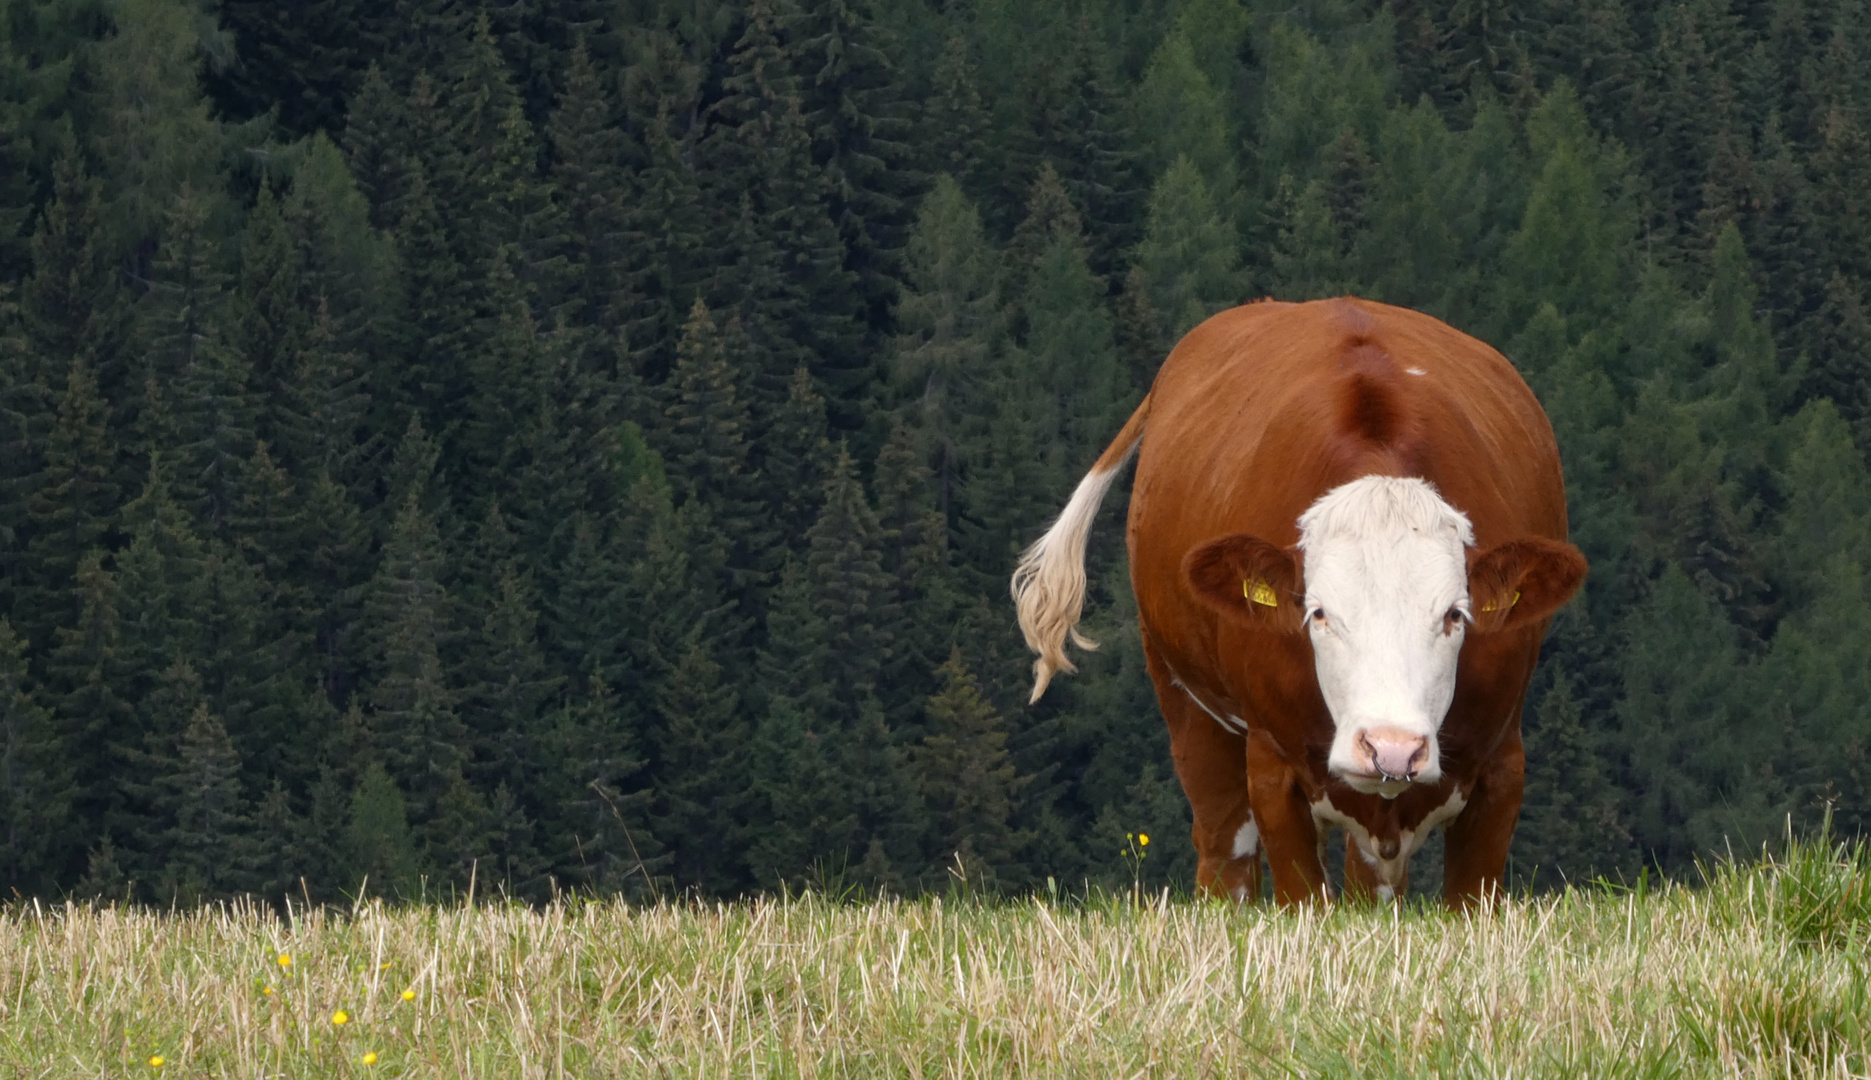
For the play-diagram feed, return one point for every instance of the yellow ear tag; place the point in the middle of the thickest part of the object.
(1510, 603)
(1260, 593)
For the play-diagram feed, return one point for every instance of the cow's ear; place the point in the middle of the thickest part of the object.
(1249, 581)
(1522, 581)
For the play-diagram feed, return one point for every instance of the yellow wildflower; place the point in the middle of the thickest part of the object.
(409, 995)
(385, 966)
(341, 1017)
(268, 991)
(369, 1059)
(157, 1061)
(1143, 839)
(285, 960)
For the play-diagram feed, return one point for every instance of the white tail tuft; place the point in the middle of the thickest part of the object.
(1049, 582)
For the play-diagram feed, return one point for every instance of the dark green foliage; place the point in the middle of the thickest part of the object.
(967, 783)
(35, 785)
(603, 472)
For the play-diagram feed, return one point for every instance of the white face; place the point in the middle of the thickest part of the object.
(1387, 609)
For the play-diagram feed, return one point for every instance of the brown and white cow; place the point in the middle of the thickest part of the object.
(1347, 537)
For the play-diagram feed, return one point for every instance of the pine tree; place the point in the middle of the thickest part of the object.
(955, 123)
(700, 775)
(188, 346)
(271, 320)
(706, 428)
(152, 130)
(379, 851)
(603, 842)
(374, 133)
(412, 704)
(826, 766)
(798, 457)
(71, 305)
(72, 503)
(35, 777)
(857, 117)
(1570, 828)
(780, 258)
(302, 62)
(1078, 126)
(1185, 116)
(949, 328)
(590, 188)
(210, 851)
(86, 673)
(1189, 253)
(966, 780)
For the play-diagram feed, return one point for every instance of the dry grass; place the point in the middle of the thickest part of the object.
(1705, 982)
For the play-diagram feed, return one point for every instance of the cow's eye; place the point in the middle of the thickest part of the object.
(1317, 615)
(1454, 618)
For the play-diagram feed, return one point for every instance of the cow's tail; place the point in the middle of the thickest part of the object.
(1049, 583)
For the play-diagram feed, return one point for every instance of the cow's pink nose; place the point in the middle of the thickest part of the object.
(1392, 754)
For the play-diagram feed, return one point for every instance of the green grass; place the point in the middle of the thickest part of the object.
(1760, 971)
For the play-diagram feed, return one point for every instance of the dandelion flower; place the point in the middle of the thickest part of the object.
(341, 1017)
(409, 995)
(1143, 839)
(285, 960)
(369, 1059)
(268, 991)
(157, 1061)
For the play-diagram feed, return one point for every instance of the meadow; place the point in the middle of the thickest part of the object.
(1758, 970)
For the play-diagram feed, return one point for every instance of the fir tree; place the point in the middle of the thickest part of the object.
(35, 777)
(966, 779)
(379, 851)
(209, 850)
(1570, 828)
(701, 775)
(1188, 254)
(589, 186)
(949, 328)
(72, 503)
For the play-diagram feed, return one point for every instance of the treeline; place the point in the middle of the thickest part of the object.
(583, 446)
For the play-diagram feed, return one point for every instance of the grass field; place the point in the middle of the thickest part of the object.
(1760, 971)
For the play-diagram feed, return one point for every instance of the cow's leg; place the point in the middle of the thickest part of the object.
(1208, 762)
(1478, 838)
(1362, 877)
(1284, 815)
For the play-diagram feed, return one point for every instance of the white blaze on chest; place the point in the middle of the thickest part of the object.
(1386, 578)
(1390, 873)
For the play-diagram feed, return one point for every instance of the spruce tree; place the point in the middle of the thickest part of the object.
(379, 850)
(1189, 254)
(71, 305)
(598, 834)
(185, 325)
(35, 777)
(700, 775)
(589, 155)
(856, 115)
(413, 706)
(966, 780)
(950, 329)
(86, 672)
(209, 850)
(1570, 828)
(72, 503)
(955, 123)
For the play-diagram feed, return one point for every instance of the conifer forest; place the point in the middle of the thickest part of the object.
(580, 447)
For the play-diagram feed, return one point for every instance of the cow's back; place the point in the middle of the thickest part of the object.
(1264, 407)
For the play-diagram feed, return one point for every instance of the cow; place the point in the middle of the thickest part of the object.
(1347, 538)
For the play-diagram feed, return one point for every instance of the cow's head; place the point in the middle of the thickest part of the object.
(1386, 582)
